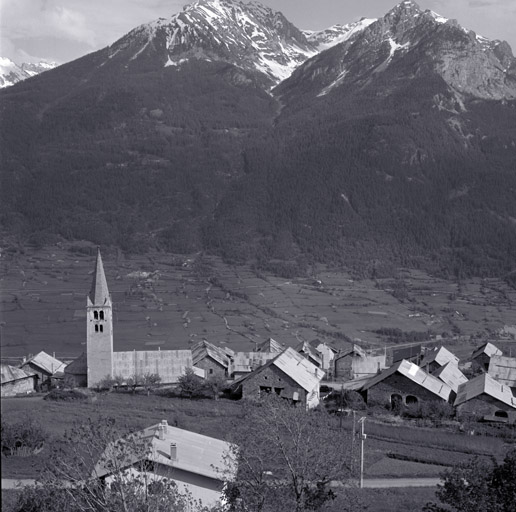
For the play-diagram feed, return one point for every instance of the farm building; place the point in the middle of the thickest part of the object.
(405, 383)
(45, 367)
(210, 358)
(76, 373)
(16, 381)
(270, 345)
(451, 375)
(328, 354)
(482, 355)
(312, 354)
(243, 363)
(437, 357)
(486, 397)
(356, 364)
(289, 375)
(199, 465)
(503, 369)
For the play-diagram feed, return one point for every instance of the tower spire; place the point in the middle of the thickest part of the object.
(99, 293)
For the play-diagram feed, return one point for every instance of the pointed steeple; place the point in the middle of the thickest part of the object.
(99, 293)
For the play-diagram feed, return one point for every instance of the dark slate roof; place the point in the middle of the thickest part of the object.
(99, 293)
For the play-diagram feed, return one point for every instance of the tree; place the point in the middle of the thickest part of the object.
(215, 384)
(478, 485)
(150, 381)
(190, 385)
(287, 457)
(73, 479)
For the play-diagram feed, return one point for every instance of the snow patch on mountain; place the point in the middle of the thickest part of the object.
(11, 73)
(327, 38)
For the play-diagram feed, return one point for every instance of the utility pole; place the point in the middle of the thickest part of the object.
(361, 421)
(353, 443)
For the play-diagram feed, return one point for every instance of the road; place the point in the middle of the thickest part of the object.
(371, 483)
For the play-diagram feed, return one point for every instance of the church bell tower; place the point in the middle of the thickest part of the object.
(99, 327)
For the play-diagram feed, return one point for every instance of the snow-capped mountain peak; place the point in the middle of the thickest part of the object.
(11, 73)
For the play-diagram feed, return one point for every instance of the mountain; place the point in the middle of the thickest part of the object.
(392, 142)
(11, 73)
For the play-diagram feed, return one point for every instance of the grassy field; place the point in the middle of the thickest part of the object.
(172, 302)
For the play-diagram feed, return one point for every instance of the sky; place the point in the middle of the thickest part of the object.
(63, 30)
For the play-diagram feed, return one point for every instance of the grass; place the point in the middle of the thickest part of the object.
(396, 500)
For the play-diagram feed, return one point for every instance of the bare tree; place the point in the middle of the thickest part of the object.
(287, 459)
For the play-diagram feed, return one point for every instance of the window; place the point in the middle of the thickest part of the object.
(396, 400)
(211, 370)
(95, 315)
(265, 390)
(101, 315)
(101, 328)
(277, 391)
(96, 327)
(411, 400)
(501, 414)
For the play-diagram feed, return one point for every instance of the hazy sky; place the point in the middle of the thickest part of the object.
(63, 30)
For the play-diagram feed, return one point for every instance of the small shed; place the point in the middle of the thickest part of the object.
(405, 383)
(44, 366)
(289, 375)
(503, 369)
(210, 358)
(76, 373)
(437, 357)
(483, 354)
(16, 381)
(486, 398)
(199, 465)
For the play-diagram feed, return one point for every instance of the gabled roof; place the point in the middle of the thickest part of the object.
(249, 361)
(354, 350)
(415, 374)
(206, 349)
(11, 373)
(487, 348)
(317, 343)
(314, 354)
(99, 293)
(451, 375)
(196, 453)
(78, 367)
(485, 384)
(270, 345)
(46, 362)
(293, 364)
(503, 369)
(441, 356)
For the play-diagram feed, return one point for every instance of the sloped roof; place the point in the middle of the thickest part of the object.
(46, 362)
(441, 356)
(270, 345)
(79, 366)
(11, 373)
(503, 369)
(305, 348)
(205, 348)
(487, 348)
(353, 350)
(249, 361)
(317, 343)
(196, 453)
(485, 384)
(99, 293)
(451, 375)
(415, 374)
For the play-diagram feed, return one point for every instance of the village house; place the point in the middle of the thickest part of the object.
(328, 354)
(503, 369)
(289, 375)
(243, 363)
(16, 381)
(46, 368)
(437, 357)
(198, 464)
(486, 398)
(210, 358)
(407, 384)
(270, 345)
(355, 363)
(451, 375)
(312, 354)
(483, 354)
(76, 372)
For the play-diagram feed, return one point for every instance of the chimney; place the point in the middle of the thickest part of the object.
(161, 433)
(164, 426)
(173, 451)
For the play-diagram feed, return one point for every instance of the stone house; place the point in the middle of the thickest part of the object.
(437, 357)
(210, 358)
(356, 364)
(243, 363)
(197, 464)
(76, 373)
(16, 381)
(289, 375)
(45, 367)
(486, 398)
(483, 354)
(405, 383)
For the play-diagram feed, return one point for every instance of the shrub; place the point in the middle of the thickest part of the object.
(66, 395)
(27, 434)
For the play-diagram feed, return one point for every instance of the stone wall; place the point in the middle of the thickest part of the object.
(483, 405)
(18, 387)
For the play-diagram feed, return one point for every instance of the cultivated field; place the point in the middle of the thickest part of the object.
(174, 301)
